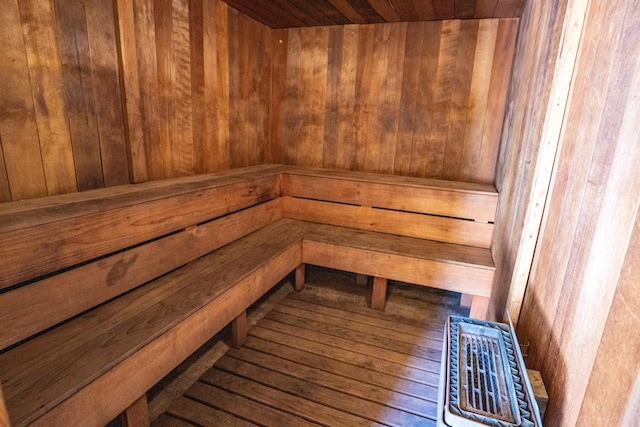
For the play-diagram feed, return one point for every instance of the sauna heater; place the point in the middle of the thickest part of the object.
(483, 379)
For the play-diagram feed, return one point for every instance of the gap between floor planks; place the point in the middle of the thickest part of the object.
(317, 361)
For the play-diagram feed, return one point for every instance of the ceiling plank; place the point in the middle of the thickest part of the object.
(385, 10)
(425, 10)
(348, 11)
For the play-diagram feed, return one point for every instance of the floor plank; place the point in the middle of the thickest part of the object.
(323, 357)
(390, 398)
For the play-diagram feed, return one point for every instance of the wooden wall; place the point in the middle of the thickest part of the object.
(61, 124)
(421, 99)
(196, 77)
(580, 312)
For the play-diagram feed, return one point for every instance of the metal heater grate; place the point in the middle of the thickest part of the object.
(482, 380)
(486, 387)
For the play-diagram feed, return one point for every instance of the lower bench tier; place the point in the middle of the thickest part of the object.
(123, 347)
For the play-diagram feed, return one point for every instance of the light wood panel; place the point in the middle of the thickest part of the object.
(297, 13)
(197, 84)
(421, 99)
(61, 127)
(586, 251)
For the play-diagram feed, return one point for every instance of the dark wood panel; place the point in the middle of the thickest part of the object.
(419, 99)
(299, 13)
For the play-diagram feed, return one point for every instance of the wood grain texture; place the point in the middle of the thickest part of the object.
(400, 105)
(190, 305)
(34, 307)
(136, 415)
(4, 416)
(297, 13)
(198, 96)
(578, 287)
(62, 127)
(110, 230)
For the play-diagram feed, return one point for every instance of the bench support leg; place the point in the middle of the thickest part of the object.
(466, 300)
(136, 415)
(362, 279)
(239, 330)
(379, 295)
(479, 307)
(299, 285)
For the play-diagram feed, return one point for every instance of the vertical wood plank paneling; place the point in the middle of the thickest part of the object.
(158, 161)
(278, 90)
(411, 98)
(346, 98)
(393, 91)
(443, 97)
(428, 152)
(79, 95)
(203, 145)
(292, 121)
(23, 160)
(470, 166)
(182, 89)
(107, 90)
(222, 59)
(458, 113)
(334, 61)
(203, 80)
(128, 62)
(47, 86)
(166, 109)
(502, 60)
(363, 93)
(579, 306)
(237, 150)
(373, 105)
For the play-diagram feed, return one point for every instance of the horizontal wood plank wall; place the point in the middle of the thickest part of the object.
(61, 122)
(421, 99)
(579, 290)
(197, 84)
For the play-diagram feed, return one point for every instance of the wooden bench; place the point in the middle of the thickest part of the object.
(113, 288)
(428, 232)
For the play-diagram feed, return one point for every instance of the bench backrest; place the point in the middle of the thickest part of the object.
(62, 255)
(446, 211)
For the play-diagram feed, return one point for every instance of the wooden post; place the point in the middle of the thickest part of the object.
(479, 307)
(4, 415)
(379, 295)
(362, 279)
(466, 300)
(136, 415)
(239, 330)
(299, 285)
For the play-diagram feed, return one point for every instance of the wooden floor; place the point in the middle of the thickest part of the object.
(321, 357)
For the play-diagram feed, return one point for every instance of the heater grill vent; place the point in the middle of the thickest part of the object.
(485, 386)
(483, 378)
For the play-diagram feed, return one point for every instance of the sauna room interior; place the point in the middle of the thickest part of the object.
(106, 105)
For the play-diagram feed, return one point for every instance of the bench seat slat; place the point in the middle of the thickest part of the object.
(47, 302)
(26, 253)
(401, 245)
(87, 347)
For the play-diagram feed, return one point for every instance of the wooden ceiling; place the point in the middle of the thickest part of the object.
(309, 13)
